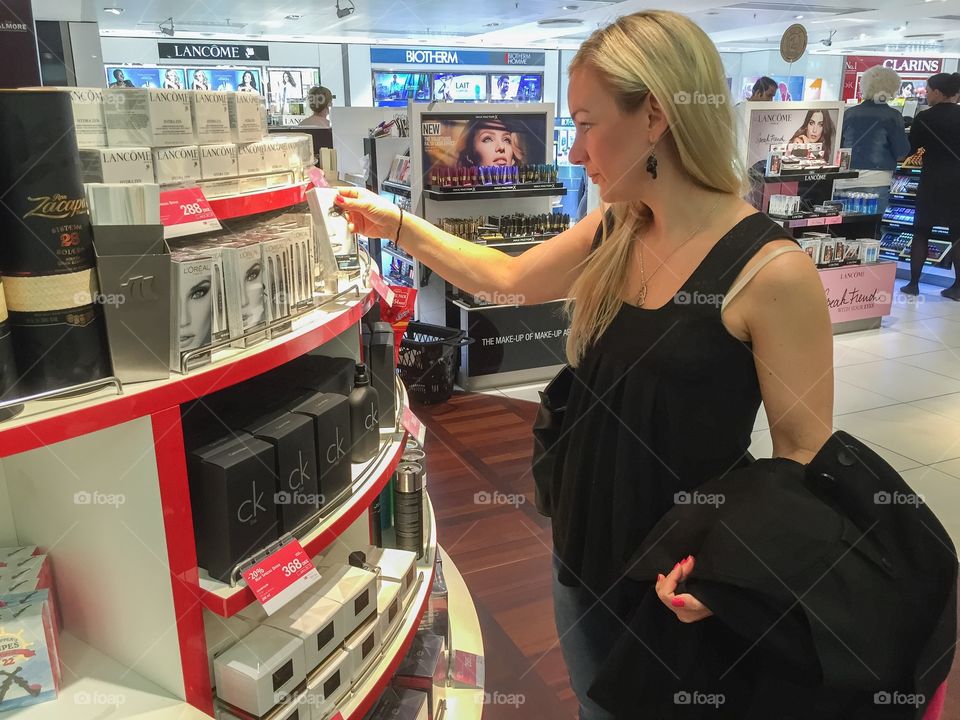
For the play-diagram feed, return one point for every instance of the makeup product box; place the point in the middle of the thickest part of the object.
(364, 646)
(221, 634)
(116, 165)
(246, 301)
(12, 555)
(425, 668)
(402, 704)
(232, 487)
(389, 607)
(827, 248)
(811, 246)
(177, 165)
(31, 662)
(295, 461)
(330, 414)
(327, 687)
(331, 226)
(355, 590)
(869, 251)
(260, 672)
(317, 620)
(218, 161)
(397, 565)
(211, 117)
(88, 121)
(847, 252)
(246, 120)
(250, 160)
(193, 297)
(277, 280)
(148, 117)
(275, 155)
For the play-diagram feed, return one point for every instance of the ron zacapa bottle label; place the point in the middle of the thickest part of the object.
(46, 249)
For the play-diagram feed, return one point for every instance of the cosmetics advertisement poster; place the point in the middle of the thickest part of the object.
(394, 89)
(459, 88)
(482, 140)
(791, 124)
(789, 89)
(167, 78)
(225, 79)
(516, 88)
(288, 84)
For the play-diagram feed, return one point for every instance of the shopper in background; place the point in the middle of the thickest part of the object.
(937, 131)
(666, 388)
(319, 99)
(875, 133)
(764, 90)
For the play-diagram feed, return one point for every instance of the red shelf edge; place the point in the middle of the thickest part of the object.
(384, 680)
(259, 202)
(228, 607)
(124, 408)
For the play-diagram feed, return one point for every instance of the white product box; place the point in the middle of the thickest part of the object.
(87, 115)
(250, 159)
(218, 161)
(317, 621)
(330, 684)
(222, 634)
(246, 301)
(364, 646)
(177, 165)
(211, 117)
(220, 188)
(355, 590)
(397, 565)
(869, 251)
(332, 228)
(247, 121)
(193, 294)
(389, 607)
(260, 672)
(275, 155)
(132, 166)
(147, 117)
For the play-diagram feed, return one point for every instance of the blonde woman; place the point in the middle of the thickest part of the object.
(688, 308)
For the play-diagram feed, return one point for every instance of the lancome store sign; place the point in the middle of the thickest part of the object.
(212, 51)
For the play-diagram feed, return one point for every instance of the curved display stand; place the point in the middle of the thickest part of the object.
(462, 703)
(243, 205)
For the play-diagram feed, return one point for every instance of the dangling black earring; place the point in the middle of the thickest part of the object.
(652, 164)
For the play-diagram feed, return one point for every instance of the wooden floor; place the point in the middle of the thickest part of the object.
(482, 444)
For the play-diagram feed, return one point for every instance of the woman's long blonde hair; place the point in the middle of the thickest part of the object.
(665, 54)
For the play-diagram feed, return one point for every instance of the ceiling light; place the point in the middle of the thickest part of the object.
(798, 17)
(863, 36)
(559, 21)
(571, 7)
(293, 17)
(114, 10)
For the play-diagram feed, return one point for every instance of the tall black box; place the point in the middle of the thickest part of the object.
(293, 439)
(331, 418)
(232, 487)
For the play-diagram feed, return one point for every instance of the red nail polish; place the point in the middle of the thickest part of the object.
(684, 561)
(677, 602)
(676, 566)
(339, 200)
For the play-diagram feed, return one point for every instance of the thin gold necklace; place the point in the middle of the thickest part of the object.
(642, 297)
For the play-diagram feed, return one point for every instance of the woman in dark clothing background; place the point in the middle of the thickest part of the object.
(937, 131)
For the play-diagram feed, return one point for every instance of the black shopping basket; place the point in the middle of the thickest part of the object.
(429, 361)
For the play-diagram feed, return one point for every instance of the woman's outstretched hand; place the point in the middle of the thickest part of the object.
(368, 213)
(685, 606)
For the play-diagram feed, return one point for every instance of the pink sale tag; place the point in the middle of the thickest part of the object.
(280, 577)
(412, 425)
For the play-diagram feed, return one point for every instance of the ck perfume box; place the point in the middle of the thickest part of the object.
(246, 119)
(117, 165)
(218, 161)
(330, 414)
(232, 490)
(148, 117)
(211, 117)
(261, 671)
(177, 165)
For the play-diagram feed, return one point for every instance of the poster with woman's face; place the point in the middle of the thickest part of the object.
(483, 140)
(225, 79)
(793, 124)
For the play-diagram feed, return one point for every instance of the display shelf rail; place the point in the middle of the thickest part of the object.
(96, 687)
(242, 205)
(462, 703)
(811, 176)
(45, 422)
(808, 222)
(492, 192)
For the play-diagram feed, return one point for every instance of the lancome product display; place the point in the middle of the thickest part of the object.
(117, 165)
(211, 117)
(88, 120)
(218, 161)
(148, 117)
(177, 165)
(46, 257)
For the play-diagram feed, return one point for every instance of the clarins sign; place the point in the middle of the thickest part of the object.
(911, 70)
(915, 65)
(212, 51)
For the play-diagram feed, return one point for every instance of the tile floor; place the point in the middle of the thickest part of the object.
(898, 390)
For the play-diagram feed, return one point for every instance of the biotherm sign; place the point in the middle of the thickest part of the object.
(913, 71)
(454, 56)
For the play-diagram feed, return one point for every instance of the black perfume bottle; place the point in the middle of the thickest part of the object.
(364, 417)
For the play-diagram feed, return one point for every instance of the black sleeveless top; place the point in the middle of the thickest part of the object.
(664, 400)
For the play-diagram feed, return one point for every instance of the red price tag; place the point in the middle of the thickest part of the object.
(380, 286)
(338, 716)
(185, 211)
(413, 425)
(280, 577)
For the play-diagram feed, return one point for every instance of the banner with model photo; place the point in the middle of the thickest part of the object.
(792, 123)
(226, 79)
(913, 71)
(145, 76)
(482, 140)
